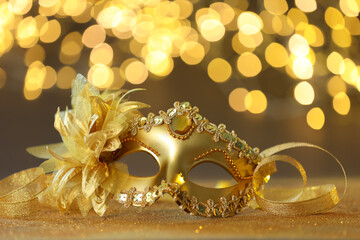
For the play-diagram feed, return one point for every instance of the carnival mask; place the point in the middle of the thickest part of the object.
(101, 129)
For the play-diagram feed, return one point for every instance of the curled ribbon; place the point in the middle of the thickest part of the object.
(310, 200)
(19, 192)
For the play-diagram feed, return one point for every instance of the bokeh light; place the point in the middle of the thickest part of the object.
(341, 103)
(315, 118)
(219, 70)
(139, 41)
(255, 102)
(237, 99)
(304, 93)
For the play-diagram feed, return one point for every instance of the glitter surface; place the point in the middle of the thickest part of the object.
(164, 220)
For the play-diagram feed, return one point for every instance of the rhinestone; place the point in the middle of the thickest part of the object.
(185, 105)
(240, 145)
(226, 136)
(139, 197)
(211, 128)
(171, 112)
(148, 197)
(142, 121)
(158, 120)
(202, 208)
(123, 197)
(181, 124)
(198, 117)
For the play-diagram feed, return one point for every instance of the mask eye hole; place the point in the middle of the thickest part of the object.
(211, 175)
(141, 164)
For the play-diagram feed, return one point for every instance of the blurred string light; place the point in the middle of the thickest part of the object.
(136, 40)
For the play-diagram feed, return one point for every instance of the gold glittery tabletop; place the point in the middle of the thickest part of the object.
(165, 220)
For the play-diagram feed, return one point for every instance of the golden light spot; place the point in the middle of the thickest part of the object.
(85, 16)
(179, 179)
(225, 11)
(50, 78)
(255, 102)
(350, 74)
(249, 23)
(341, 103)
(3, 77)
(276, 55)
(282, 25)
(204, 14)
(334, 18)
(101, 76)
(297, 16)
(48, 3)
(102, 53)
(341, 37)
(298, 45)
(143, 30)
(32, 94)
(267, 20)
(52, 10)
(304, 93)
(110, 17)
(119, 80)
(192, 52)
(50, 31)
(336, 85)
(186, 8)
(238, 47)
(219, 70)
(93, 36)
(160, 40)
(303, 68)
(349, 7)
(314, 36)
(315, 118)
(127, 23)
(335, 63)
(27, 33)
(353, 25)
(159, 63)
(74, 8)
(71, 44)
(35, 76)
(20, 7)
(212, 30)
(250, 41)
(36, 53)
(276, 7)
(136, 72)
(249, 64)
(306, 5)
(66, 75)
(237, 99)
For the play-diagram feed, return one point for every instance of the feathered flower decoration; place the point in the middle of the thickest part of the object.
(83, 166)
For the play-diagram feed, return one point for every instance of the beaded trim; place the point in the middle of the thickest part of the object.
(130, 139)
(234, 169)
(200, 124)
(190, 204)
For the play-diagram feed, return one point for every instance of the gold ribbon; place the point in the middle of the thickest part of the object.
(19, 192)
(310, 200)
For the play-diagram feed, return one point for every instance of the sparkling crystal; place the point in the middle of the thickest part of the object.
(185, 105)
(198, 117)
(181, 124)
(202, 208)
(240, 145)
(142, 121)
(171, 112)
(123, 197)
(158, 120)
(148, 197)
(211, 128)
(226, 136)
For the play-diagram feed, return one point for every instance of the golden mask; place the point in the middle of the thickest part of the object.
(102, 128)
(179, 140)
